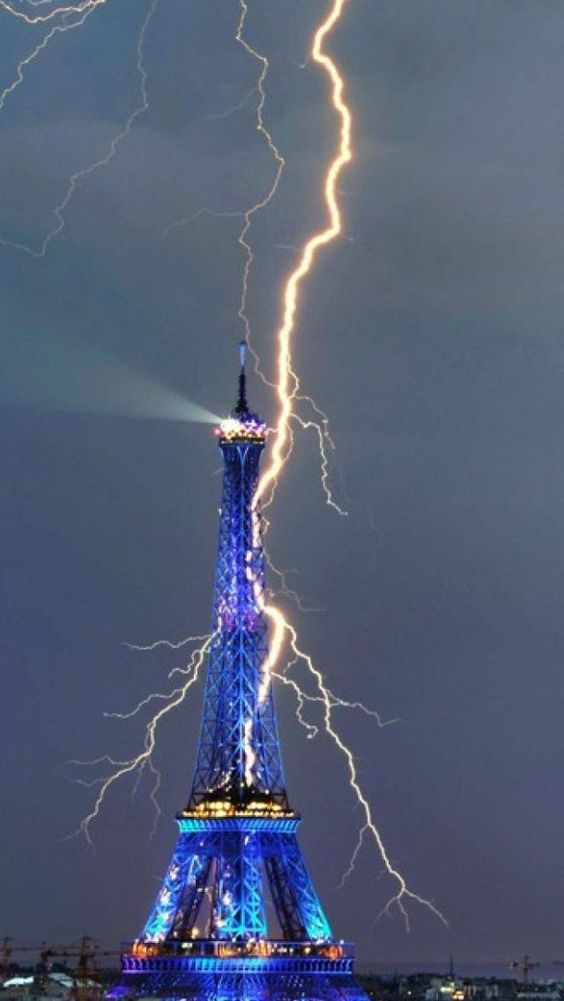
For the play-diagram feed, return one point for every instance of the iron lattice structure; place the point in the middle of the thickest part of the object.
(237, 916)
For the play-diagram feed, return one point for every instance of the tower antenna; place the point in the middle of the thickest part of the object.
(242, 405)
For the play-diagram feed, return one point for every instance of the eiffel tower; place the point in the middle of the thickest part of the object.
(237, 916)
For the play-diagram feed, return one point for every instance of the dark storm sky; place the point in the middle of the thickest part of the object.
(432, 335)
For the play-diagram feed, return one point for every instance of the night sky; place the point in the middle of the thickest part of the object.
(431, 334)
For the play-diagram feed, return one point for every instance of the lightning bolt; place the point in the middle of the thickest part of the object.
(287, 383)
(24, 63)
(84, 9)
(324, 444)
(283, 635)
(64, 13)
(144, 758)
(288, 393)
(329, 701)
(283, 632)
(234, 108)
(320, 422)
(285, 589)
(214, 213)
(249, 213)
(52, 13)
(149, 647)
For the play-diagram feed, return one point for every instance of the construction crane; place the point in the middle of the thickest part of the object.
(525, 965)
(85, 954)
(8, 948)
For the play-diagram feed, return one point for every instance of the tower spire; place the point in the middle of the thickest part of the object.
(242, 405)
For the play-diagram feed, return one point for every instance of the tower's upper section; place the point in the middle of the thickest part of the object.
(239, 767)
(243, 425)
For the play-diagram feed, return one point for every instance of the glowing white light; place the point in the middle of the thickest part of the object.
(230, 426)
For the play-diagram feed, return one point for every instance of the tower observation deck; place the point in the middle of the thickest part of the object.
(237, 916)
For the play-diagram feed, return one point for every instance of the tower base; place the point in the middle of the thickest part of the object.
(239, 978)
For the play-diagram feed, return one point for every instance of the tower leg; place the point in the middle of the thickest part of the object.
(238, 899)
(291, 886)
(182, 874)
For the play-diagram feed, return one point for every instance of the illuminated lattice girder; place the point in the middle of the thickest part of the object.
(239, 860)
(239, 751)
(237, 917)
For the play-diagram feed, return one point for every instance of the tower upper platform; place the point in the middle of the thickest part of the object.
(243, 425)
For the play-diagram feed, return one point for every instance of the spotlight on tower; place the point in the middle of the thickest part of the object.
(63, 373)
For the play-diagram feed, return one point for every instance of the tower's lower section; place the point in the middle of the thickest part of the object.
(288, 973)
(237, 919)
(223, 870)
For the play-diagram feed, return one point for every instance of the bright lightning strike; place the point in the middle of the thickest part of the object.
(280, 164)
(57, 29)
(285, 588)
(287, 386)
(247, 214)
(320, 422)
(149, 647)
(324, 441)
(335, 701)
(322, 427)
(52, 13)
(329, 702)
(84, 10)
(144, 759)
(282, 633)
(288, 392)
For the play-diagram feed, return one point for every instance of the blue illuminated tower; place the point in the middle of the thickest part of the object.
(237, 916)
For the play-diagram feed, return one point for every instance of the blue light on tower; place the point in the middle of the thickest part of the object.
(211, 933)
